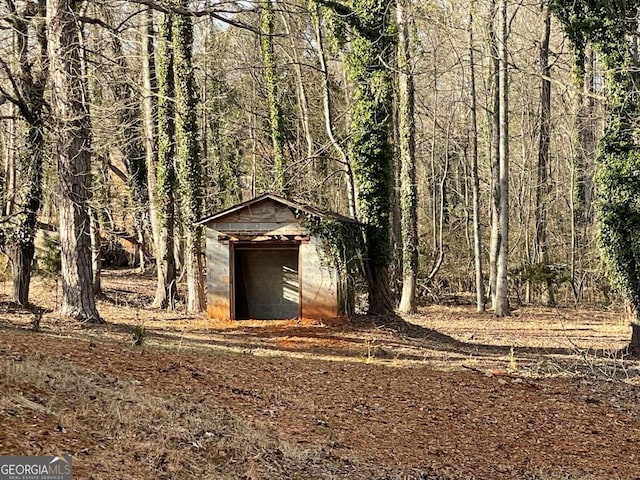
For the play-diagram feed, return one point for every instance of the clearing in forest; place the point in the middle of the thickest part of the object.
(446, 394)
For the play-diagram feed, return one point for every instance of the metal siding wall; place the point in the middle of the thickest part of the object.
(319, 287)
(218, 279)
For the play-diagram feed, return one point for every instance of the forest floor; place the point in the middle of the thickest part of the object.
(446, 394)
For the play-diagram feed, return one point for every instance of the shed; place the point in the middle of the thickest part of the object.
(263, 262)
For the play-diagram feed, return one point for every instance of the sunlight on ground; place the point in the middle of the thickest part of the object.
(446, 337)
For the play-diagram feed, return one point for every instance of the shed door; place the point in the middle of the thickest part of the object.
(266, 282)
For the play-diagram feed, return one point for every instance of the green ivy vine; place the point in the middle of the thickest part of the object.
(340, 244)
(610, 26)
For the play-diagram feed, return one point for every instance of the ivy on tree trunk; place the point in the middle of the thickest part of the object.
(612, 28)
(165, 171)
(372, 45)
(189, 168)
(276, 120)
(29, 90)
(408, 184)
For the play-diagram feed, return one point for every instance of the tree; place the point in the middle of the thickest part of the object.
(165, 181)
(27, 95)
(131, 141)
(327, 109)
(149, 119)
(475, 178)
(189, 168)
(612, 28)
(371, 152)
(408, 185)
(494, 243)
(542, 184)
(221, 147)
(73, 150)
(276, 120)
(502, 288)
(581, 187)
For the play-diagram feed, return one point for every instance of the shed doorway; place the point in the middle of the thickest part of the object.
(266, 282)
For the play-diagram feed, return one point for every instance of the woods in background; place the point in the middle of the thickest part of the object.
(462, 134)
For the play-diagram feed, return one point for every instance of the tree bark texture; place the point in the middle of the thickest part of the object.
(582, 181)
(165, 180)
(189, 168)
(21, 247)
(502, 287)
(25, 171)
(494, 242)
(73, 150)
(20, 242)
(542, 185)
(408, 183)
(149, 118)
(282, 179)
(371, 152)
(475, 179)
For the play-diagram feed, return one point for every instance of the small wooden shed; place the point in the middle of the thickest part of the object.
(262, 263)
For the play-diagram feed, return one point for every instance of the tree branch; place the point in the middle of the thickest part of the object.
(216, 13)
(347, 14)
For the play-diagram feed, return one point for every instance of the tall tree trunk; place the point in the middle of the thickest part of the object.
(475, 179)
(494, 242)
(149, 118)
(542, 185)
(73, 150)
(281, 169)
(20, 246)
(581, 181)
(9, 173)
(188, 160)
(24, 179)
(371, 151)
(328, 115)
(165, 179)
(303, 101)
(408, 184)
(502, 287)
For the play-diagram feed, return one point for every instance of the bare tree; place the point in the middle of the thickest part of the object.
(328, 114)
(494, 245)
(502, 287)
(276, 120)
(73, 150)
(475, 178)
(542, 184)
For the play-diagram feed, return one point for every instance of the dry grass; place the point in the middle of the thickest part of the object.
(118, 429)
(449, 394)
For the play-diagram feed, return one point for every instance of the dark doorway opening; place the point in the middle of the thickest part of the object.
(266, 282)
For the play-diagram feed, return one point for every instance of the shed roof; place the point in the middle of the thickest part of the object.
(297, 205)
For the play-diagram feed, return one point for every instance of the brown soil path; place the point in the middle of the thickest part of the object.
(463, 424)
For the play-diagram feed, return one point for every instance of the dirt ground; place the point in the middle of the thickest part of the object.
(446, 394)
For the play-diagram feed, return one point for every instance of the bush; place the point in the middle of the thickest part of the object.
(49, 264)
